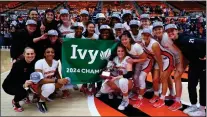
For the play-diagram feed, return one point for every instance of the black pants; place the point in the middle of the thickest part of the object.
(197, 73)
(18, 91)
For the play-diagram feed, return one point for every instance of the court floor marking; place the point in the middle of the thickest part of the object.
(92, 107)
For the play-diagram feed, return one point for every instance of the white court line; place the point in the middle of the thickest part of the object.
(5, 72)
(92, 107)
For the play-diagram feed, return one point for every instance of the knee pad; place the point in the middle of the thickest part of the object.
(123, 85)
(48, 89)
(142, 83)
(105, 88)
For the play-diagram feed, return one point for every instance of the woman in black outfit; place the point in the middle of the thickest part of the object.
(17, 81)
(49, 21)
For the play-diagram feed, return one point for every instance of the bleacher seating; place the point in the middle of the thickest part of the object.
(189, 6)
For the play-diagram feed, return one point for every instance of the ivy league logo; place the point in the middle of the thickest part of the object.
(92, 53)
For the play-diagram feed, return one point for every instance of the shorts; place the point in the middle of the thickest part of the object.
(148, 65)
(168, 62)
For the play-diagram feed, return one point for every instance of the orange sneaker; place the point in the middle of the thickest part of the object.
(159, 103)
(138, 103)
(176, 105)
(169, 97)
(154, 99)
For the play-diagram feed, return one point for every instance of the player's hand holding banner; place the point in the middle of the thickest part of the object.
(83, 59)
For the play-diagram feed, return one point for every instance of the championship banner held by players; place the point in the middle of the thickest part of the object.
(83, 59)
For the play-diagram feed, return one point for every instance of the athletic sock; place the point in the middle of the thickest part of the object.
(140, 97)
(156, 93)
(177, 99)
(126, 98)
(172, 92)
(162, 97)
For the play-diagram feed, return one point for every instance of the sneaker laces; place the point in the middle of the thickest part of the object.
(123, 103)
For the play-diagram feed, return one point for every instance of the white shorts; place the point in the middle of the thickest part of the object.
(168, 63)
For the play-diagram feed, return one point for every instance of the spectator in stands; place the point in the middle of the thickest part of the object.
(90, 31)
(84, 18)
(17, 81)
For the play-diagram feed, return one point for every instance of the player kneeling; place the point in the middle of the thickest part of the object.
(122, 81)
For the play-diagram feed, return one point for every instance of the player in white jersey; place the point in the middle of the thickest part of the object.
(51, 79)
(78, 31)
(167, 43)
(101, 19)
(118, 27)
(140, 58)
(65, 23)
(122, 81)
(164, 62)
(136, 34)
(145, 22)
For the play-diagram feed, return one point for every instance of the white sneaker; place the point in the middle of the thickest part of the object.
(190, 109)
(98, 94)
(123, 104)
(197, 113)
(111, 96)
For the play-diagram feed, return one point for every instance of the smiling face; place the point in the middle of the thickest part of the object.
(158, 31)
(145, 23)
(53, 38)
(49, 16)
(114, 21)
(84, 18)
(91, 28)
(105, 34)
(127, 18)
(29, 55)
(146, 38)
(78, 31)
(118, 32)
(172, 33)
(134, 29)
(49, 54)
(125, 40)
(31, 28)
(121, 52)
(33, 15)
(65, 18)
